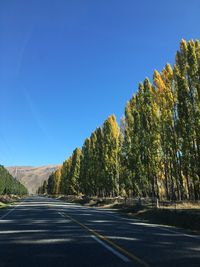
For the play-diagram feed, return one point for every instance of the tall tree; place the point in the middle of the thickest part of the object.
(57, 180)
(111, 133)
(85, 178)
(65, 174)
(73, 187)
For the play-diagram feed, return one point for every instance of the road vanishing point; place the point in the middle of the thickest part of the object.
(41, 231)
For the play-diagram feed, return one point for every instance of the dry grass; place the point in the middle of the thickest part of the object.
(184, 205)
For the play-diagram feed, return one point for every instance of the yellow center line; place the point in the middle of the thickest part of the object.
(106, 239)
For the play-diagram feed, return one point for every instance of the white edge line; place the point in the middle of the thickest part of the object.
(115, 252)
(2, 217)
(178, 233)
(163, 227)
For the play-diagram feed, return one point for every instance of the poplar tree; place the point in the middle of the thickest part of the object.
(186, 78)
(73, 187)
(111, 132)
(99, 161)
(85, 178)
(50, 185)
(93, 165)
(56, 182)
(150, 137)
(132, 148)
(65, 173)
(194, 89)
(165, 99)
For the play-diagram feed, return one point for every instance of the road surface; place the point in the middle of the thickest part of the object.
(45, 232)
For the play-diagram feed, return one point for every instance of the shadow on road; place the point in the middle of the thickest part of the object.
(36, 234)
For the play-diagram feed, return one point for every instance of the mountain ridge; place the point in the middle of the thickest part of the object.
(32, 176)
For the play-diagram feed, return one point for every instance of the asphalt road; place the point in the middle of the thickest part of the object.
(45, 232)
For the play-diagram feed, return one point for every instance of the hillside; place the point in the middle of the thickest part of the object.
(31, 177)
(9, 185)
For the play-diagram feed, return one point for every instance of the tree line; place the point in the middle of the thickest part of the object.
(156, 150)
(9, 185)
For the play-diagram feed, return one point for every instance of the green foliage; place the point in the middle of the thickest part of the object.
(65, 174)
(157, 152)
(9, 185)
(162, 130)
(73, 180)
(43, 189)
(111, 148)
(65, 180)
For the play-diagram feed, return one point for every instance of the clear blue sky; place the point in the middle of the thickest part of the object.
(66, 65)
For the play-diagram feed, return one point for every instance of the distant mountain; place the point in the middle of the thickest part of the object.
(31, 177)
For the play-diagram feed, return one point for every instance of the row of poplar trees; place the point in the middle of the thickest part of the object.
(156, 151)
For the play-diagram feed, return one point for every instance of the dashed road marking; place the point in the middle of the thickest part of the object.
(128, 255)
